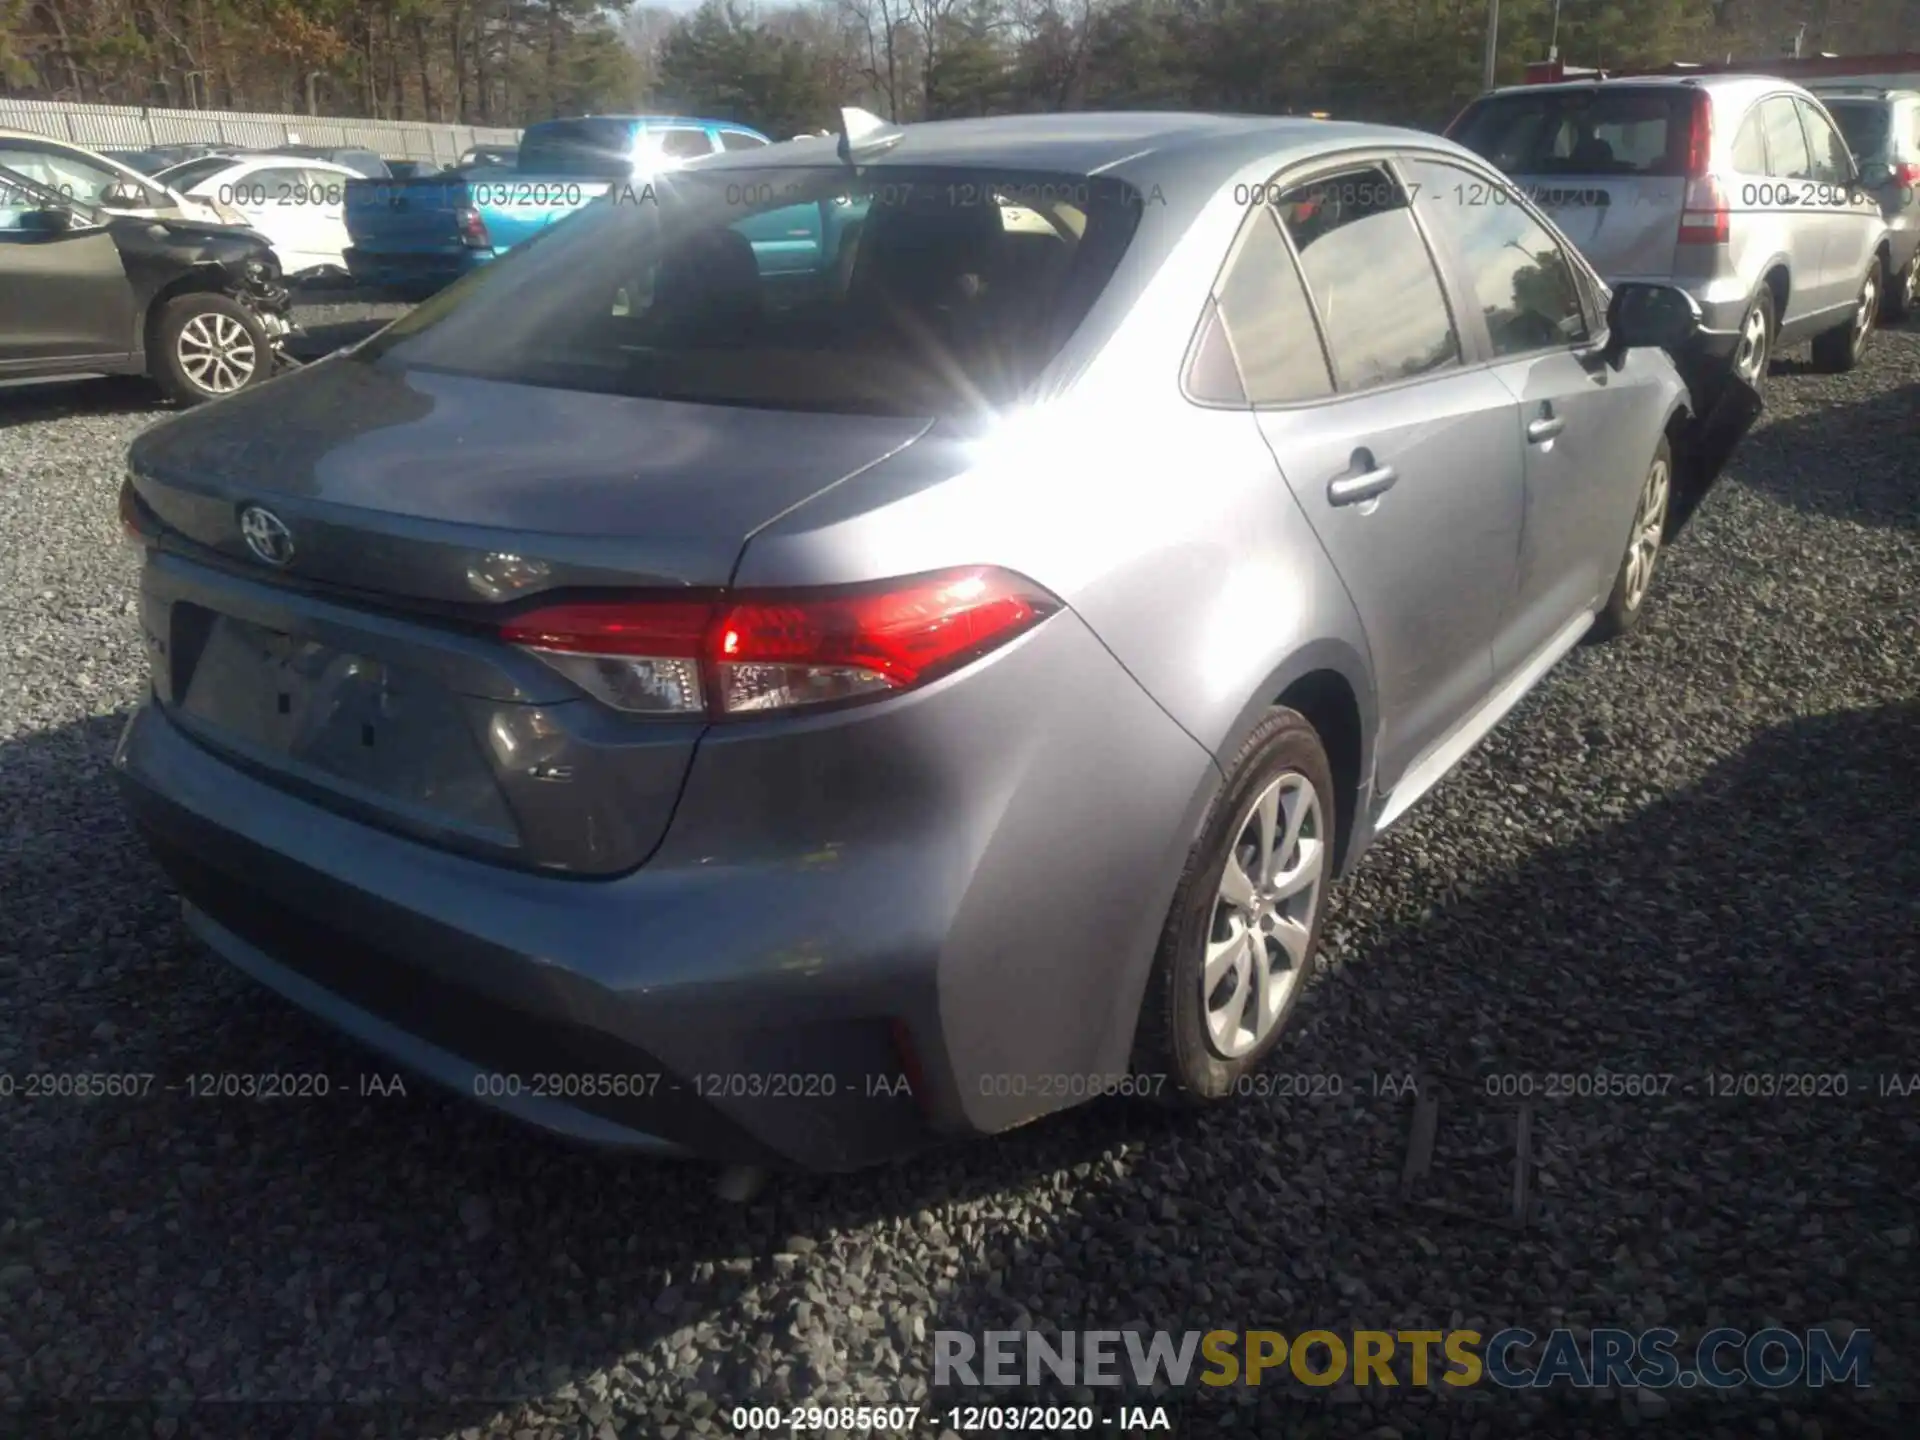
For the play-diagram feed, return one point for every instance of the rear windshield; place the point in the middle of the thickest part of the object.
(907, 292)
(1581, 132)
(1863, 122)
(592, 148)
(184, 177)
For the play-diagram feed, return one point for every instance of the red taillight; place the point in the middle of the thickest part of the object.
(473, 230)
(1906, 173)
(131, 530)
(1700, 137)
(1705, 219)
(756, 653)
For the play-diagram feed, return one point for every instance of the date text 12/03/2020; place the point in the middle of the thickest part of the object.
(963, 1420)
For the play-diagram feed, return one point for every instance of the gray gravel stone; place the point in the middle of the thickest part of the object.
(1691, 855)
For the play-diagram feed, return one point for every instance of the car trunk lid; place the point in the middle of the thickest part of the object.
(351, 653)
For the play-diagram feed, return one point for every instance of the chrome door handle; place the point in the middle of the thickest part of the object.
(1352, 489)
(1544, 429)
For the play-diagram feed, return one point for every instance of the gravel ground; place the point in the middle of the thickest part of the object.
(1697, 851)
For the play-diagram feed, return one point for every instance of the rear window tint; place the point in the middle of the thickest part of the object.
(1864, 124)
(1581, 132)
(924, 292)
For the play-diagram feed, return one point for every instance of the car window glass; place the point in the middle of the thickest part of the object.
(1832, 164)
(739, 140)
(1629, 130)
(684, 144)
(1750, 147)
(1522, 279)
(1787, 154)
(269, 189)
(185, 176)
(63, 171)
(324, 187)
(1267, 321)
(1372, 281)
(928, 295)
(1863, 124)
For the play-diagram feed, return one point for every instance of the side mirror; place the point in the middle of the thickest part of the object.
(1874, 174)
(1650, 317)
(50, 221)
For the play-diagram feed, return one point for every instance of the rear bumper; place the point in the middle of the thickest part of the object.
(934, 915)
(412, 268)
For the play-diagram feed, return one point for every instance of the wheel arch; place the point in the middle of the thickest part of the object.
(206, 277)
(1328, 681)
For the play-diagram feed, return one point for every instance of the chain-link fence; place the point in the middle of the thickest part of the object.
(136, 127)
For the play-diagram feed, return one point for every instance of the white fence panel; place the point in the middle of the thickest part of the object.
(134, 127)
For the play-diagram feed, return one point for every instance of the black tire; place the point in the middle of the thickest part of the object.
(1628, 600)
(1838, 350)
(212, 309)
(1762, 305)
(1172, 1047)
(1901, 295)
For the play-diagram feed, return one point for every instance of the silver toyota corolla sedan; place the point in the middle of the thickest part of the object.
(876, 638)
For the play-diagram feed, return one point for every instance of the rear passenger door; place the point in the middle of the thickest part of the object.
(1790, 173)
(1404, 460)
(1575, 417)
(1849, 218)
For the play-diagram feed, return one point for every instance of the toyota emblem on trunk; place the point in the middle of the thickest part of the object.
(266, 534)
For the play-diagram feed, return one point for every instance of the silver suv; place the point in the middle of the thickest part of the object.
(1738, 189)
(1882, 128)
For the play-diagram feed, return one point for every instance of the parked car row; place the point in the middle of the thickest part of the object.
(662, 694)
(294, 195)
(417, 236)
(1788, 216)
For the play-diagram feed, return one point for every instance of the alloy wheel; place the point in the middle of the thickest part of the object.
(1756, 341)
(1649, 526)
(1263, 915)
(1868, 309)
(216, 352)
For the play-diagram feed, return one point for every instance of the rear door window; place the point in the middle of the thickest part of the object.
(1268, 324)
(739, 140)
(1600, 131)
(684, 144)
(1832, 162)
(1372, 280)
(1788, 157)
(1522, 280)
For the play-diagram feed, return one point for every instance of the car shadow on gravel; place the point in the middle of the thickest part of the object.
(411, 1248)
(1832, 460)
(42, 401)
(1734, 947)
(381, 1241)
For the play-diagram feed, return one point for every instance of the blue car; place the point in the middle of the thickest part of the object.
(417, 236)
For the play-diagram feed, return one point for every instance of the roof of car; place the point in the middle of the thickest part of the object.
(649, 120)
(1194, 151)
(1715, 80)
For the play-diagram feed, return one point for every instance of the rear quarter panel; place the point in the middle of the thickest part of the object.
(1165, 525)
